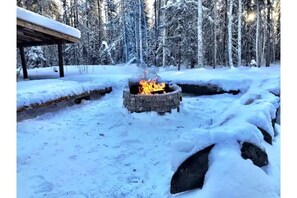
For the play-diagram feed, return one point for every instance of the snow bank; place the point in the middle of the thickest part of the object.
(239, 122)
(255, 109)
(43, 90)
(228, 79)
(46, 90)
(231, 176)
(37, 19)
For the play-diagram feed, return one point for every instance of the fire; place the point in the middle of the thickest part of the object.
(151, 87)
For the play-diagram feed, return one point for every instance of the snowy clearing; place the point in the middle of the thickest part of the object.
(99, 149)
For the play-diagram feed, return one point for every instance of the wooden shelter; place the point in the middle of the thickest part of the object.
(37, 30)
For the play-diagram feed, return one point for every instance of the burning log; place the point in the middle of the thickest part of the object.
(151, 87)
(158, 92)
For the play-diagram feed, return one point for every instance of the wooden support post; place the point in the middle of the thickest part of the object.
(61, 69)
(23, 60)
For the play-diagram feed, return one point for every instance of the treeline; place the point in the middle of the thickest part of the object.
(194, 33)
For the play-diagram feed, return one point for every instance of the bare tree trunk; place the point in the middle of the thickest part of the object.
(179, 54)
(199, 32)
(87, 6)
(273, 39)
(99, 22)
(156, 32)
(278, 22)
(215, 34)
(158, 16)
(230, 34)
(263, 49)
(225, 50)
(268, 47)
(164, 36)
(75, 14)
(239, 32)
(257, 35)
(71, 13)
(65, 10)
(124, 31)
(140, 32)
(145, 32)
(136, 39)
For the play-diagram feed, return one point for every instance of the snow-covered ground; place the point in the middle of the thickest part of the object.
(98, 149)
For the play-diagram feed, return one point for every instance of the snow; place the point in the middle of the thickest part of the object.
(37, 19)
(99, 149)
(225, 161)
(43, 90)
(229, 79)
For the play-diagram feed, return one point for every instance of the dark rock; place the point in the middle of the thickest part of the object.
(258, 156)
(208, 89)
(276, 120)
(266, 135)
(190, 174)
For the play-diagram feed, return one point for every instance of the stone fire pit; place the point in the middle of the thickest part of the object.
(160, 103)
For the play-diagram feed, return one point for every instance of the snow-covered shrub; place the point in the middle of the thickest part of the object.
(105, 55)
(253, 63)
(35, 57)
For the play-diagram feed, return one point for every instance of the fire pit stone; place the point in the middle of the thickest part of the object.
(160, 103)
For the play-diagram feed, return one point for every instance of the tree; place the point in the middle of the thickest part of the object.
(268, 46)
(48, 8)
(199, 34)
(140, 31)
(215, 45)
(230, 23)
(239, 33)
(276, 37)
(164, 36)
(124, 29)
(257, 34)
(222, 32)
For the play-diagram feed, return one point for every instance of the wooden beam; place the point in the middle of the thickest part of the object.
(45, 30)
(42, 43)
(23, 60)
(27, 38)
(32, 34)
(60, 54)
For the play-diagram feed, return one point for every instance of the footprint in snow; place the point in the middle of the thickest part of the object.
(133, 179)
(40, 185)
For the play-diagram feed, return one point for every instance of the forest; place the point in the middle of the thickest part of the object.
(190, 33)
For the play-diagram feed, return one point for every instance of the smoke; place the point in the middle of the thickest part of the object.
(148, 73)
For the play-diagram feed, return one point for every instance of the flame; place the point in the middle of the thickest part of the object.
(150, 86)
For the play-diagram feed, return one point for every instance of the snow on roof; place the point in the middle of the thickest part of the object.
(47, 22)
